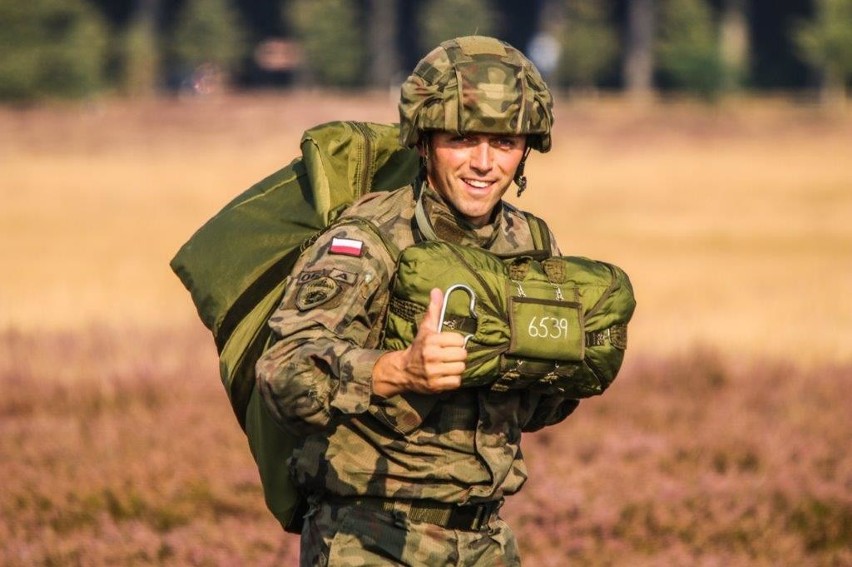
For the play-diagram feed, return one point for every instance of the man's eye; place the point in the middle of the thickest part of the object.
(506, 143)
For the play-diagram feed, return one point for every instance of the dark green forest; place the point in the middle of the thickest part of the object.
(81, 48)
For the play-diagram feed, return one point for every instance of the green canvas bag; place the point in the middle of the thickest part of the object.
(531, 321)
(234, 266)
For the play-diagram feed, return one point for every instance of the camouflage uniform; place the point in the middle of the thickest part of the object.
(395, 480)
(354, 535)
(457, 447)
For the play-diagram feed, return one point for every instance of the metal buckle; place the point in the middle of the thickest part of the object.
(478, 518)
(471, 307)
(472, 517)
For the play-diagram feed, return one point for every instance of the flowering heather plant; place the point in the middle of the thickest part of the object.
(121, 449)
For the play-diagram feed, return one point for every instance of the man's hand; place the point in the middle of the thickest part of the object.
(433, 363)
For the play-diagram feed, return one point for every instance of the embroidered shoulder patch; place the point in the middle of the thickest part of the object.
(346, 246)
(316, 292)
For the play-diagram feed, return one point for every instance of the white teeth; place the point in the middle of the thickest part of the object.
(477, 183)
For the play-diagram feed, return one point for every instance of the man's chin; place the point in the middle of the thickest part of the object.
(478, 215)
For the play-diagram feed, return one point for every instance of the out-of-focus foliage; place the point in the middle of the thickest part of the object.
(687, 47)
(139, 58)
(735, 43)
(589, 43)
(332, 37)
(208, 32)
(446, 19)
(50, 48)
(826, 41)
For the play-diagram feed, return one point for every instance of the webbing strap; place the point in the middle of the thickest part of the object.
(422, 218)
(467, 517)
(413, 312)
(615, 335)
(539, 232)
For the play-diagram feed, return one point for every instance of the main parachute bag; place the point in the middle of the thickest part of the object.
(558, 324)
(234, 266)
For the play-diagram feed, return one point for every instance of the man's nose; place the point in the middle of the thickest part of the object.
(482, 158)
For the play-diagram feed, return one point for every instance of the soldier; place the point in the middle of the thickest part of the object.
(400, 464)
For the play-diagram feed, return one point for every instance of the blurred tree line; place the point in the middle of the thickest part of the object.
(76, 48)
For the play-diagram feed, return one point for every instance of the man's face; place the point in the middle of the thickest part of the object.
(473, 171)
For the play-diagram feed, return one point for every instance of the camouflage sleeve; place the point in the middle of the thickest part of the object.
(320, 368)
(542, 410)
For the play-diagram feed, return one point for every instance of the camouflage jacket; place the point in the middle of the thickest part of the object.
(458, 446)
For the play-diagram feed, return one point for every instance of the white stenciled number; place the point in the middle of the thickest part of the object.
(548, 328)
(532, 329)
(563, 324)
(557, 328)
(545, 331)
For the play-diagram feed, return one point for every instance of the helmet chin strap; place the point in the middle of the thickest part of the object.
(520, 178)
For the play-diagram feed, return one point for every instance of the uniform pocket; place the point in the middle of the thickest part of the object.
(404, 412)
(368, 537)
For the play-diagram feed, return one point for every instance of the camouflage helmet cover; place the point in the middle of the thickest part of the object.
(476, 84)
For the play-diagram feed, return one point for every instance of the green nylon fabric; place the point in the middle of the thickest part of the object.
(573, 294)
(234, 266)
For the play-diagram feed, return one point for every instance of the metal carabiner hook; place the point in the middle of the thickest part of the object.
(471, 307)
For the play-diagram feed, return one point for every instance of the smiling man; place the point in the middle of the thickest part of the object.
(400, 463)
(473, 171)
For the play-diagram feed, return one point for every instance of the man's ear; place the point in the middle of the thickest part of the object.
(423, 146)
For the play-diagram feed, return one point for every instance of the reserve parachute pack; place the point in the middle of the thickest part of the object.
(558, 324)
(235, 265)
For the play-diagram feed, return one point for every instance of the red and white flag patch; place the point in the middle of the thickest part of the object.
(346, 246)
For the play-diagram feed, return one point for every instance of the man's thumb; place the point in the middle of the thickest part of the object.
(433, 311)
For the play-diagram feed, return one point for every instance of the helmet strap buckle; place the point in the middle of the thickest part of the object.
(520, 178)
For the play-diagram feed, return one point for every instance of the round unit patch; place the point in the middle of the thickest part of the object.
(316, 292)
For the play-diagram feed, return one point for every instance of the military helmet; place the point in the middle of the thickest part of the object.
(476, 84)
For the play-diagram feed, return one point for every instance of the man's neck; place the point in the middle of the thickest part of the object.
(451, 226)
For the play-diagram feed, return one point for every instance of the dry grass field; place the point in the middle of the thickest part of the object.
(735, 222)
(723, 442)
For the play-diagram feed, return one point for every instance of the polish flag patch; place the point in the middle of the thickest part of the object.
(346, 246)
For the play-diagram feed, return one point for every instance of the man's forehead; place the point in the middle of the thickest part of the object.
(476, 134)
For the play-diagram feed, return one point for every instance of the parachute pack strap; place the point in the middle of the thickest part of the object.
(423, 224)
(615, 336)
(539, 232)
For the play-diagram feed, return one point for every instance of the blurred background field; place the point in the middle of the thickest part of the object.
(733, 220)
(722, 442)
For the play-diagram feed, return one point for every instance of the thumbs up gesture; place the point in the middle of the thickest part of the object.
(432, 363)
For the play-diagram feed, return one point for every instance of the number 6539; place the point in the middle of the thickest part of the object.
(548, 328)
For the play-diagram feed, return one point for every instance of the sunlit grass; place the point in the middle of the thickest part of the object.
(731, 220)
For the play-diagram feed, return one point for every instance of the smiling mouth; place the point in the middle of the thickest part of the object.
(478, 183)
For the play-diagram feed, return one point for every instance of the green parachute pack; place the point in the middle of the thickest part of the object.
(235, 265)
(554, 323)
